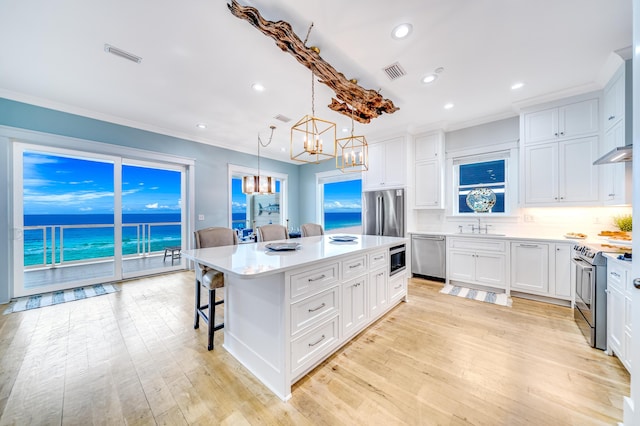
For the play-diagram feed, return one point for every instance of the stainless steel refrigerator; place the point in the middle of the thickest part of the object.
(383, 212)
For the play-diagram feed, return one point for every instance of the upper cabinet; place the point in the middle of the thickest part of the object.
(558, 146)
(564, 122)
(387, 165)
(429, 167)
(614, 99)
(616, 179)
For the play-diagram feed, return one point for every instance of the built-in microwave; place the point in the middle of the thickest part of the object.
(398, 259)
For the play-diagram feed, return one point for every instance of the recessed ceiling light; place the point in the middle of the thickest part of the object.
(201, 126)
(257, 87)
(283, 149)
(401, 31)
(345, 130)
(429, 78)
(448, 106)
(518, 85)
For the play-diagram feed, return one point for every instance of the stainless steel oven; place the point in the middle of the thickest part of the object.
(398, 259)
(590, 285)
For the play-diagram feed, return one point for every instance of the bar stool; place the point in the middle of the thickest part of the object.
(210, 278)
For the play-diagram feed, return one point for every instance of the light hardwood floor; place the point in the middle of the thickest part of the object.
(133, 357)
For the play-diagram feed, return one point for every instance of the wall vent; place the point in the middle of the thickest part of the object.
(394, 71)
(282, 118)
(121, 53)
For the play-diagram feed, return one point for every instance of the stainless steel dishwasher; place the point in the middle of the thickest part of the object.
(428, 256)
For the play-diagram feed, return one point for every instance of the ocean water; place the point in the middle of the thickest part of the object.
(331, 220)
(83, 243)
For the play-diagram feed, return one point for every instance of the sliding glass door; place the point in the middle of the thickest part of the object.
(82, 218)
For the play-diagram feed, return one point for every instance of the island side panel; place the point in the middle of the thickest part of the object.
(255, 328)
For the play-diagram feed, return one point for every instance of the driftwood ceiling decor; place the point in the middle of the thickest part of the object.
(366, 104)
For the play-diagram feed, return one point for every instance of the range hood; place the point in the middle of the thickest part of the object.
(616, 155)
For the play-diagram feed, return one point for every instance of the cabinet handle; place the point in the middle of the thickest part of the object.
(556, 134)
(379, 257)
(615, 274)
(636, 282)
(319, 307)
(357, 265)
(555, 198)
(398, 286)
(317, 278)
(612, 195)
(562, 198)
(529, 245)
(611, 117)
(561, 133)
(321, 339)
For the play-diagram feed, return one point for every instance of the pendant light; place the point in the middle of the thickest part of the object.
(313, 139)
(352, 153)
(258, 184)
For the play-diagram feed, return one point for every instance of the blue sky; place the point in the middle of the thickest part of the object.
(338, 196)
(64, 185)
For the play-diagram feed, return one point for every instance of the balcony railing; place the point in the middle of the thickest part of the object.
(56, 245)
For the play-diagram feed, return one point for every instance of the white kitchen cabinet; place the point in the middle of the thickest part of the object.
(561, 172)
(560, 271)
(541, 268)
(563, 122)
(477, 261)
(530, 267)
(619, 297)
(614, 99)
(387, 165)
(429, 170)
(378, 291)
(354, 305)
(616, 184)
(397, 286)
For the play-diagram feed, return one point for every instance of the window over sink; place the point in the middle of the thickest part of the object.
(487, 171)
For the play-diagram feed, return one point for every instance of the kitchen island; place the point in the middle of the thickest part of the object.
(287, 311)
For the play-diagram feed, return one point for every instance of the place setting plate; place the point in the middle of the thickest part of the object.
(343, 238)
(283, 246)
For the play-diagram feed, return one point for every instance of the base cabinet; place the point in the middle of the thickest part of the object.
(619, 314)
(477, 261)
(541, 268)
(354, 305)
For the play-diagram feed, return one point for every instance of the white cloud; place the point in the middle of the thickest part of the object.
(66, 198)
(152, 206)
(85, 209)
(238, 205)
(342, 205)
(155, 187)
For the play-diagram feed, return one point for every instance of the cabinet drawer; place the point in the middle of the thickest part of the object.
(311, 311)
(615, 276)
(397, 286)
(354, 267)
(312, 345)
(378, 259)
(313, 280)
(477, 244)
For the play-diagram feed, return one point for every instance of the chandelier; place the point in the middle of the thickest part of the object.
(316, 137)
(352, 153)
(258, 184)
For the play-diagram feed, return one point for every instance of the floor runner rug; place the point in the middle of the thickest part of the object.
(479, 295)
(56, 297)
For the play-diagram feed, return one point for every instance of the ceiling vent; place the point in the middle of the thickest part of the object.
(282, 118)
(121, 53)
(394, 71)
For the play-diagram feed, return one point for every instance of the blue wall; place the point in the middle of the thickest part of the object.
(211, 187)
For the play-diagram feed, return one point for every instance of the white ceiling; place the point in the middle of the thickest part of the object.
(199, 61)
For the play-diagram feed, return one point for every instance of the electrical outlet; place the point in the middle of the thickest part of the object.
(596, 219)
(200, 217)
(528, 218)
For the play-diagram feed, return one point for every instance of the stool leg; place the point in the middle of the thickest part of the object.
(212, 314)
(196, 321)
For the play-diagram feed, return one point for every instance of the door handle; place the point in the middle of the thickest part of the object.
(636, 282)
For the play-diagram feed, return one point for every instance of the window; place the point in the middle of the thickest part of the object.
(339, 201)
(247, 209)
(490, 172)
(342, 204)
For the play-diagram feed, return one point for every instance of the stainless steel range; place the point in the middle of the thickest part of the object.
(590, 286)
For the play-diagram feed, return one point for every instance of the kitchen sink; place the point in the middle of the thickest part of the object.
(490, 234)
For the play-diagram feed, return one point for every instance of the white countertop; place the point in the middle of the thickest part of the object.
(528, 237)
(611, 257)
(251, 260)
